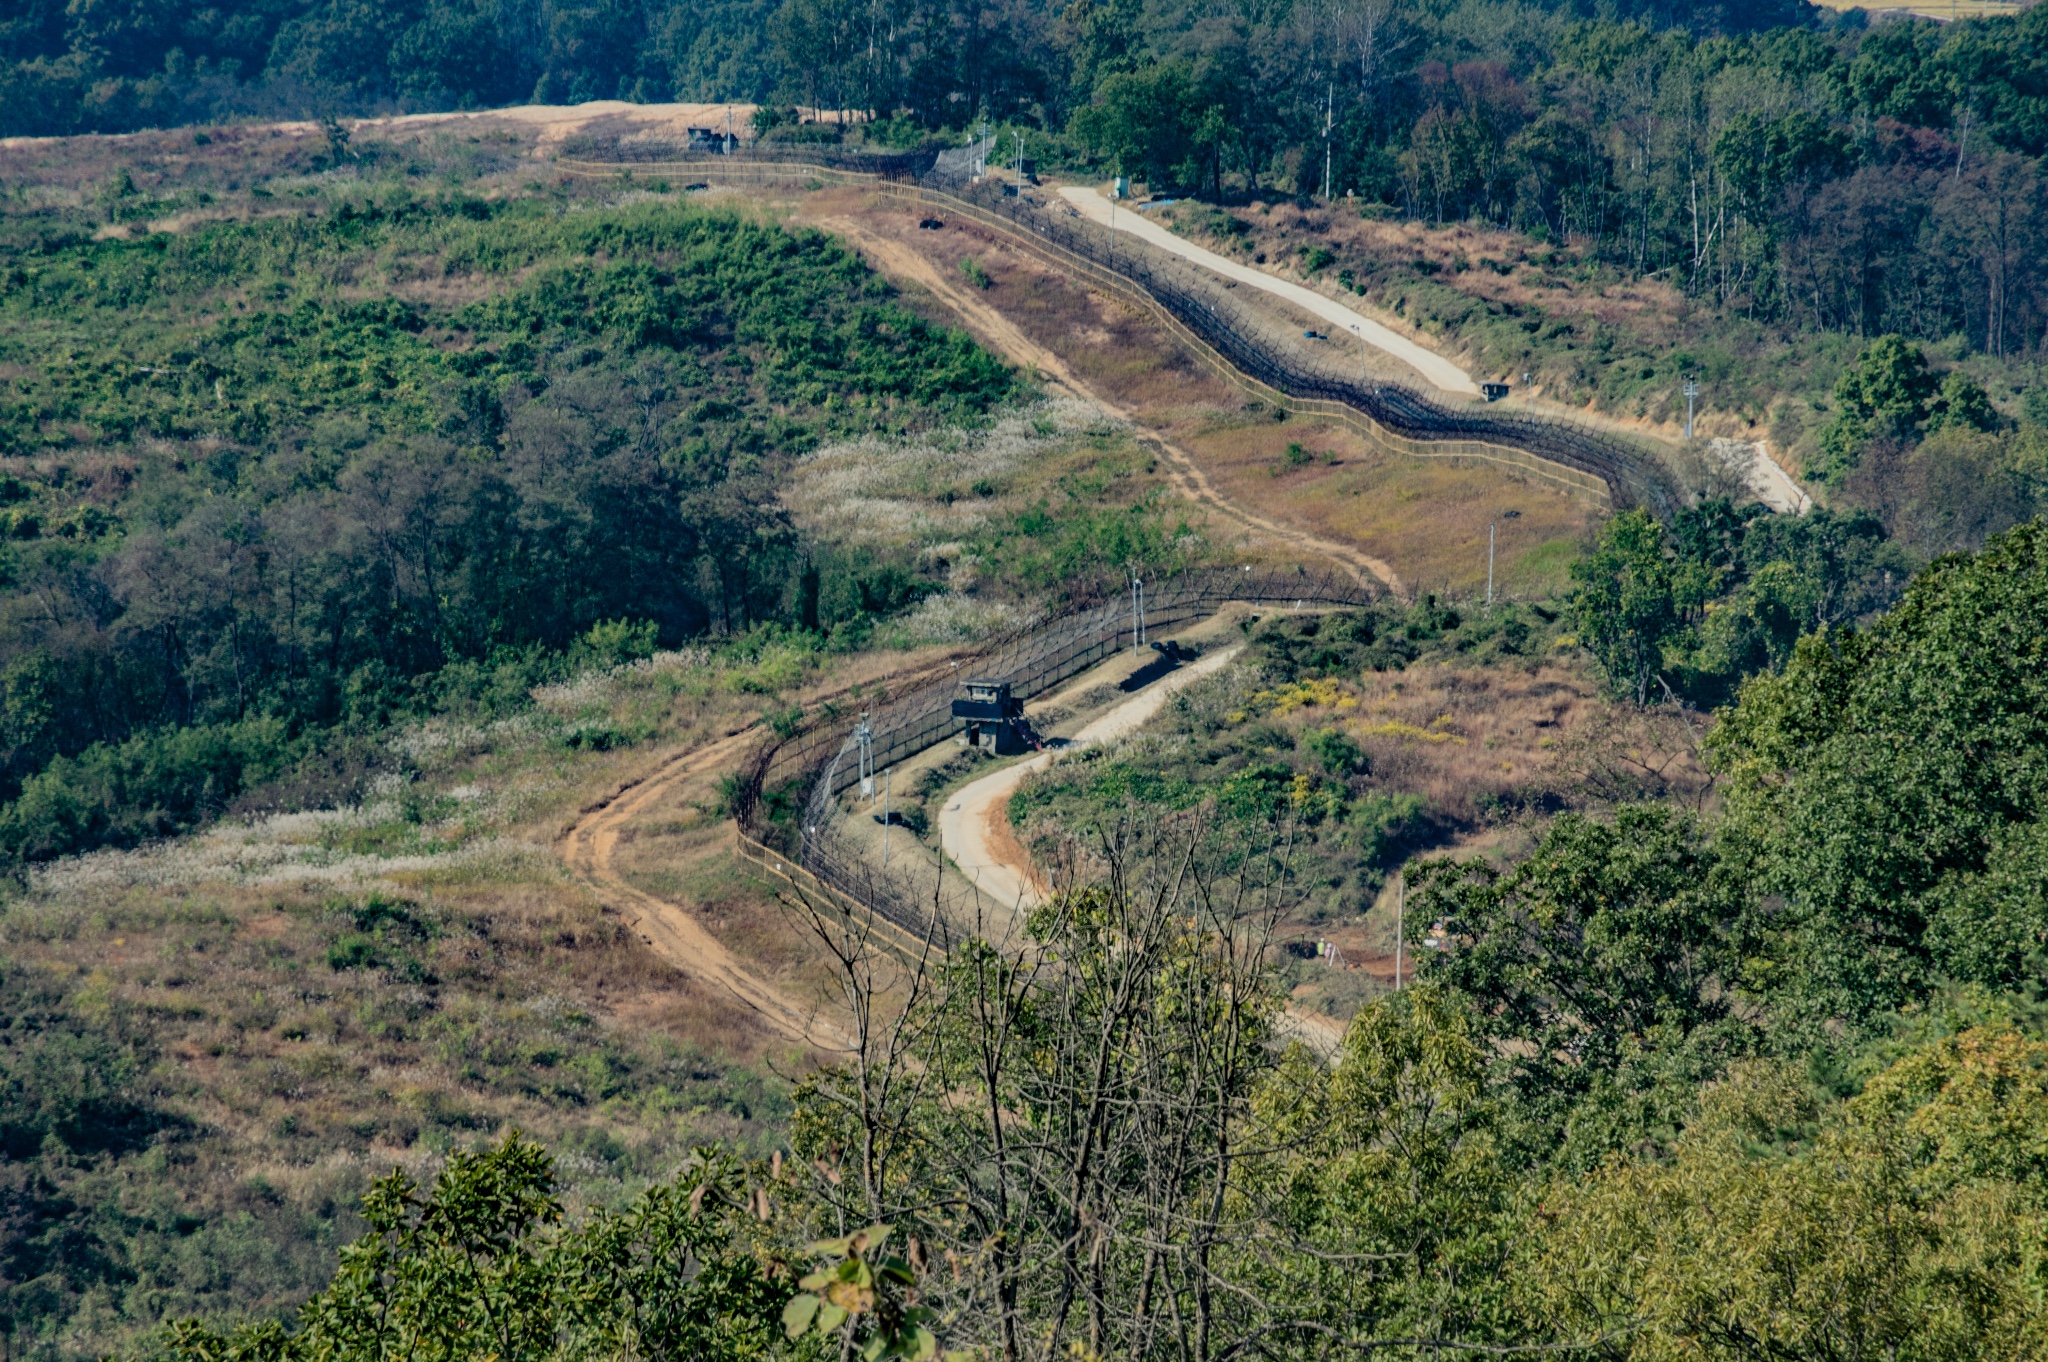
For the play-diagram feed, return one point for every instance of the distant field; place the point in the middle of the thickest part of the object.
(1956, 9)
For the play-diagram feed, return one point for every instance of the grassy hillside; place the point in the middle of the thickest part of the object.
(374, 448)
(368, 511)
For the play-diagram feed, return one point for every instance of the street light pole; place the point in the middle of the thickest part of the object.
(1400, 922)
(1329, 122)
(864, 735)
(1692, 390)
(1137, 612)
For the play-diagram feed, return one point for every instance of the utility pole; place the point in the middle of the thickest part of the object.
(1491, 525)
(1400, 921)
(1137, 612)
(1692, 390)
(865, 736)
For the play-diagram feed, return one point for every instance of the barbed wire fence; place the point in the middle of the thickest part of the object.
(824, 759)
(913, 897)
(1632, 471)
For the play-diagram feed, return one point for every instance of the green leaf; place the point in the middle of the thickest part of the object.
(830, 1317)
(798, 1314)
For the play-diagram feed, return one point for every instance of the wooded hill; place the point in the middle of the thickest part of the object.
(1776, 159)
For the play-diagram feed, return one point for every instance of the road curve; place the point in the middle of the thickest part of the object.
(967, 827)
(587, 846)
(1427, 362)
(966, 824)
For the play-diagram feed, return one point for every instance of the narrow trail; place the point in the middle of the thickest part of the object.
(587, 847)
(1185, 475)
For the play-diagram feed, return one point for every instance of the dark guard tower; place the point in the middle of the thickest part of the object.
(995, 721)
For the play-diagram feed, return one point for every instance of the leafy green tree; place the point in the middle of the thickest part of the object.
(1383, 1179)
(1901, 1227)
(483, 1265)
(1961, 403)
(1158, 123)
(1886, 394)
(1624, 603)
(1889, 778)
(1601, 970)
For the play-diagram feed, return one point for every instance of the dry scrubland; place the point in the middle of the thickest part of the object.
(1426, 519)
(312, 996)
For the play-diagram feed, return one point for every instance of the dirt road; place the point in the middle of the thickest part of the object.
(973, 824)
(895, 259)
(669, 928)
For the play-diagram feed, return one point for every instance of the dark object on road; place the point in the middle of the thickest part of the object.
(930, 225)
(1171, 655)
(1493, 392)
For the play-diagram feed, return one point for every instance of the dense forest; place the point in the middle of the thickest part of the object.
(1819, 173)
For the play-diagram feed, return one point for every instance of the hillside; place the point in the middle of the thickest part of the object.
(439, 561)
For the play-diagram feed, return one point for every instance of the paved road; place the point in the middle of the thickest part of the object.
(1426, 362)
(967, 825)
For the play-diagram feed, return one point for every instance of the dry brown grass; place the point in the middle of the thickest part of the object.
(1426, 518)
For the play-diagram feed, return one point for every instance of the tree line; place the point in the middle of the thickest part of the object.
(1833, 174)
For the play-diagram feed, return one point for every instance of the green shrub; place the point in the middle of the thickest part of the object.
(152, 785)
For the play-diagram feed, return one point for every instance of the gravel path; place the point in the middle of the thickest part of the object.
(967, 825)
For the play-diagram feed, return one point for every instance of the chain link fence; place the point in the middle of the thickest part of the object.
(825, 758)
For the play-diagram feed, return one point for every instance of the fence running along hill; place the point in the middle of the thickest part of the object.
(822, 757)
(824, 761)
(1204, 314)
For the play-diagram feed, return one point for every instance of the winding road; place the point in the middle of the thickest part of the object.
(973, 826)
(587, 846)
(1092, 205)
(969, 824)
